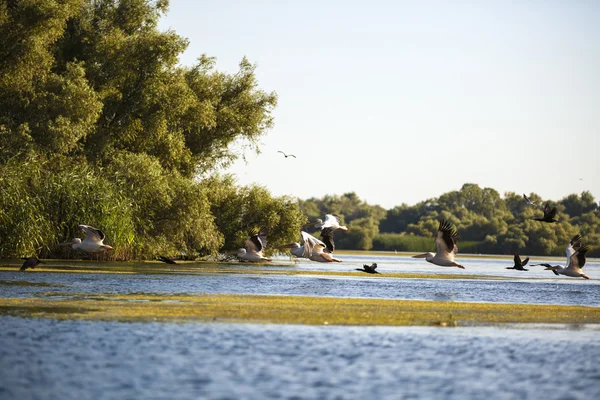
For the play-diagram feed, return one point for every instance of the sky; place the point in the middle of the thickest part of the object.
(401, 101)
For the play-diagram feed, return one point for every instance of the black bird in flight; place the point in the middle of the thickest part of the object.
(549, 214)
(368, 269)
(166, 260)
(30, 262)
(519, 264)
(286, 155)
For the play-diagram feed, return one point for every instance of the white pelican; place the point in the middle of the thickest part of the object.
(369, 269)
(445, 243)
(331, 221)
(92, 242)
(311, 248)
(519, 264)
(575, 260)
(30, 262)
(255, 244)
(528, 200)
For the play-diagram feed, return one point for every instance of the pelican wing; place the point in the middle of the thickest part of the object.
(446, 238)
(577, 260)
(525, 261)
(309, 242)
(256, 242)
(517, 260)
(572, 247)
(327, 236)
(94, 234)
(331, 221)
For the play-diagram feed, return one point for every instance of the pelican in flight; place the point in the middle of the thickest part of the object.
(311, 248)
(369, 269)
(286, 155)
(92, 242)
(549, 214)
(255, 244)
(528, 200)
(445, 243)
(331, 221)
(519, 264)
(30, 262)
(575, 260)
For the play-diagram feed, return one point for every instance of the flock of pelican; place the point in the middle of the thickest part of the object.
(321, 250)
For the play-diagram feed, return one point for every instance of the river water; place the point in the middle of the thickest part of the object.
(50, 359)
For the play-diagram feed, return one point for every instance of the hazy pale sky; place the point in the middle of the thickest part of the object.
(400, 101)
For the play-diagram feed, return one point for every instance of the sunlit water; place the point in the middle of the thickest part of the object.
(48, 359)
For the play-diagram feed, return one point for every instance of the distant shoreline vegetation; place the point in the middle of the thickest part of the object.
(487, 222)
(100, 125)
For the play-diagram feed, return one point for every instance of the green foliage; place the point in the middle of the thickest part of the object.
(361, 218)
(99, 125)
(246, 210)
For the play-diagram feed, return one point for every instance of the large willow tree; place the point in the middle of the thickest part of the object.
(100, 125)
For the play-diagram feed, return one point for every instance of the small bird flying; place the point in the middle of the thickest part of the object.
(368, 269)
(575, 260)
(445, 243)
(519, 264)
(286, 155)
(166, 260)
(528, 200)
(30, 262)
(549, 214)
(92, 243)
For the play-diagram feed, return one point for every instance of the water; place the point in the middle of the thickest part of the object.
(106, 360)
(49, 359)
(530, 287)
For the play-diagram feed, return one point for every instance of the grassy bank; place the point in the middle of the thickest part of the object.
(291, 310)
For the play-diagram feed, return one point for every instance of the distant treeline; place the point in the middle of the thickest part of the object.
(100, 125)
(487, 222)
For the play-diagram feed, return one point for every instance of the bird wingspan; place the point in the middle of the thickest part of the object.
(577, 260)
(572, 247)
(446, 238)
(97, 234)
(309, 242)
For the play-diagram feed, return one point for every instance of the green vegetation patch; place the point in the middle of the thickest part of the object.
(293, 310)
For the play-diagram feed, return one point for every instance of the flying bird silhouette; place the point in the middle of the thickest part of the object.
(166, 260)
(286, 155)
(519, 264)
(368, 269)
(549, 214)
(30, 262)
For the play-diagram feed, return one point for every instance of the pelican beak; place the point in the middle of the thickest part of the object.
(424, 255)
(67, 243)
(107, 247)
(550, 268)
(585, 276)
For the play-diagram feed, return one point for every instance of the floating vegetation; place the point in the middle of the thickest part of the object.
(293, 310)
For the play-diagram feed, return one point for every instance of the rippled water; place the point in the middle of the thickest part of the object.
(106, 360)
(532, 287)
(48, 359)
